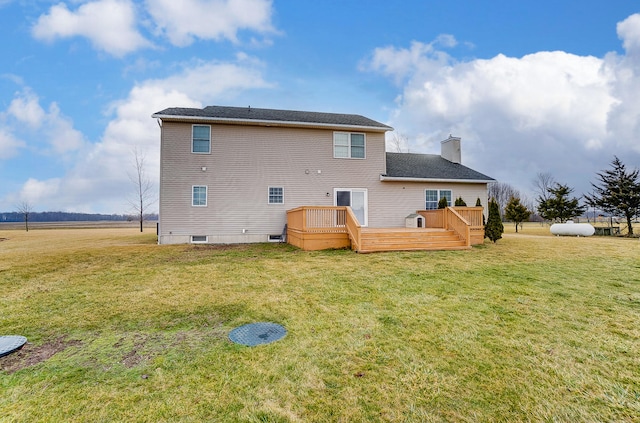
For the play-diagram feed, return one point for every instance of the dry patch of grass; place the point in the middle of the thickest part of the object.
(30, 355)
(533, 328)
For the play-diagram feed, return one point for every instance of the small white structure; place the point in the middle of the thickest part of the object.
(414, 221)
(570, 228)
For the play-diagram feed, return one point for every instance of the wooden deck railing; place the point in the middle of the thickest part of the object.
(325, 220)
(473, 215)
(447, 218)
(433, 218)
(317, 219)
(353, 229)
(458, 224)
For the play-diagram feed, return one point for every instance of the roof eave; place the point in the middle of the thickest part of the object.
(385, 178)
(260, 122)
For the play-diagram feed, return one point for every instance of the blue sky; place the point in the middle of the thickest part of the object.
(530, 87)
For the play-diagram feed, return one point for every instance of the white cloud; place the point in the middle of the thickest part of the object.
(109, 24)
(184, 21)
(60, 132)
(400, 62)
(629, 33)
(34, 191)
(213, 79)
(99, 180)
(545, 112)
(52, 127)
(26, 109)
(9, 144)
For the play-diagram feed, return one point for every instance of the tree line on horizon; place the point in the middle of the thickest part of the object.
(60, 216)
(143, 199)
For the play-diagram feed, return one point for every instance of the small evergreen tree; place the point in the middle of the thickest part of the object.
(443, 203)
(460, 202)
(494, 227)
(558, 206)
(516, 212)
(618, 192)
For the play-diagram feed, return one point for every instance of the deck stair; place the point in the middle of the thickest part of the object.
(409, 239)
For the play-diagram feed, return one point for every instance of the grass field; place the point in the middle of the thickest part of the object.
(533, 328)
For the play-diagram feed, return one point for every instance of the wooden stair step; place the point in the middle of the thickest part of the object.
(378, 241)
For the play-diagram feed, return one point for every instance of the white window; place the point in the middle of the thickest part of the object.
(201, 139)
(433, 196)
(199, 196)
(198, 239)
(348, 145)
(276, 195)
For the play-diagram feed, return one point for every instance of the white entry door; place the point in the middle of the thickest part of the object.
(356, 198)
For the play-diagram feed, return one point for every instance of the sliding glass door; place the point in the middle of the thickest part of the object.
(356, 198)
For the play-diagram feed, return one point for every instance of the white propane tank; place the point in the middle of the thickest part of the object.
(570, 228)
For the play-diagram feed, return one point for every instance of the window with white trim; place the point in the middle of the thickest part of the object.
(199, 196)
(276, 195)
(347, 145)
(433, 196)
(201, 139)
(198, 239)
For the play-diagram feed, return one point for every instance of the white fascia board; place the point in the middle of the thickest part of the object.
(258, 122)
(463, 181)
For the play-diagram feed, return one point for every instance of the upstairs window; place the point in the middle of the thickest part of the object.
(348, 145)
(433, 196)
(201, 139)
(276, 195)
(199, 196)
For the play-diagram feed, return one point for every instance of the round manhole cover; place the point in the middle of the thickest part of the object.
(11, 343)
(257, 333)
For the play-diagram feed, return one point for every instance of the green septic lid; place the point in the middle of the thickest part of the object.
(254, 334)
(11, 343)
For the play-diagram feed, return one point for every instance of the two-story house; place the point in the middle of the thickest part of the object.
(231, 174)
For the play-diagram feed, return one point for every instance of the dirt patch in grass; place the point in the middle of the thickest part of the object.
(140, 348)
(30, 355)
(4, 239)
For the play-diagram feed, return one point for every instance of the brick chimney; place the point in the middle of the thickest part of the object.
(450, 149)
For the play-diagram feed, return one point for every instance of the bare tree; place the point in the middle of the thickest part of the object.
(532, 206)
(144, 192)
(502, 192)
(25, 208)
(542, 183)
(399, 143)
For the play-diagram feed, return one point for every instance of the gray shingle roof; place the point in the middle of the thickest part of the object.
(250, 114)
(430, 166)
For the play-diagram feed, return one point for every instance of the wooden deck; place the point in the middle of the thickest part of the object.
(319, 228)
(409, 239)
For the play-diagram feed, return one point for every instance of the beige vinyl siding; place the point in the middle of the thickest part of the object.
(393, 201)
(244, 162)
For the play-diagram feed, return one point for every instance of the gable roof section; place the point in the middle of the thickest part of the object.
(429, 167)
(271, 117)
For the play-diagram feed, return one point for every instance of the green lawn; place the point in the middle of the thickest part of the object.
(533, 328)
